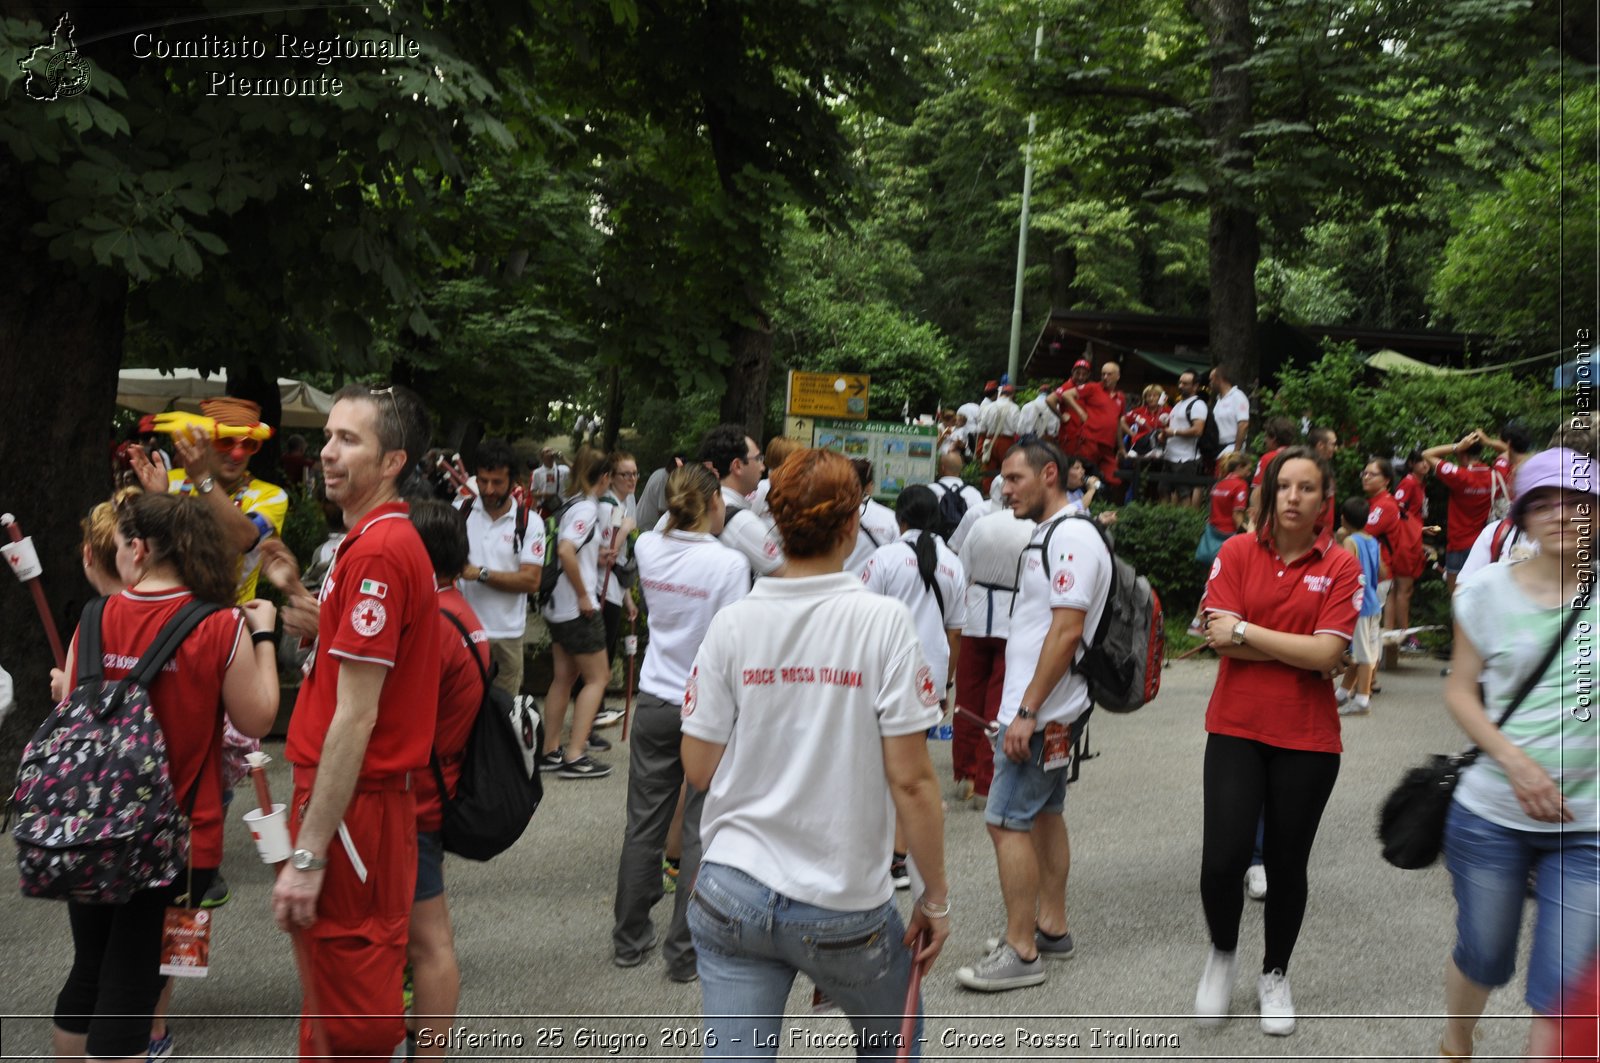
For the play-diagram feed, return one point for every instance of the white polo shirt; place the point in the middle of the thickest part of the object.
(989, 555)
(1080, 576)
(687, 578)
(1230, 410)
(801, 682)
(491, 544)
(747, 533)
(1184, 448)
(577, 522)
(892, 571)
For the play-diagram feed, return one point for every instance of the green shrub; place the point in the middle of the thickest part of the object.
(1159, 541)
(304, 527)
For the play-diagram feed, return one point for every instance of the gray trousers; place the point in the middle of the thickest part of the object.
(655, 772)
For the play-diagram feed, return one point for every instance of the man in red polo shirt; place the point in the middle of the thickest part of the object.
(363, 723)
(1088, 420)
(1471, 487)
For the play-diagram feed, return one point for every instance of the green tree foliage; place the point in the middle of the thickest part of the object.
(1159, 541)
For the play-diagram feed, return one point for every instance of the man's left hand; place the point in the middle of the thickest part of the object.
(195, 454)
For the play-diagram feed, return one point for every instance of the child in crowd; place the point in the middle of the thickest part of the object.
(1355, 695)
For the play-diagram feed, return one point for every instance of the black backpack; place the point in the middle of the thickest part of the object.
(550, 575)
(1122, 663)
(1210, 441)
(497, 793)
(98, 818)
(952, 507)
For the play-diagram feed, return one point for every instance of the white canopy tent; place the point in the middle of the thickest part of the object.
(155, 390)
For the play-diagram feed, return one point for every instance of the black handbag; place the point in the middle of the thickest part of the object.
(1411, 821)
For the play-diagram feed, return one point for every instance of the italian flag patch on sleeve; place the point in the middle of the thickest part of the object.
(371, 588)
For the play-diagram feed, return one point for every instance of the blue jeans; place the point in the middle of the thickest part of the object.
(1489, 867)
(751, 941)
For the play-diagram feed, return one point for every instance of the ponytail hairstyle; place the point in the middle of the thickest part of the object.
(180, 532)
(690, 491)
(918, 510)
(587, 469)
(815, 500)
(100, 530)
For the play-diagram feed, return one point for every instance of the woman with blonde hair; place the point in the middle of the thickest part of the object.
(811, 686)
(687, 577)
(778, 450)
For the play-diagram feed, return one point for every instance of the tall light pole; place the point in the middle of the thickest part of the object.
(1022, 236)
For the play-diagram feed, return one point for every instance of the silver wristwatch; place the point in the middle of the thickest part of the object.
(206, 486)
(1238, 633)
(306, 860)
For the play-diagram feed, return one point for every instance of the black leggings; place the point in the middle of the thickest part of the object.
(1288, 788)
(115, 981)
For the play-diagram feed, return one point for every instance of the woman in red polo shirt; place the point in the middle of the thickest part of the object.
(1281, 606)
(170, 551)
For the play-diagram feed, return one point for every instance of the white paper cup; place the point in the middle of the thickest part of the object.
(271, 833)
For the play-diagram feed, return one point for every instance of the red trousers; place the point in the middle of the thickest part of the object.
(357, 946)
(980, 678)
(997, 454)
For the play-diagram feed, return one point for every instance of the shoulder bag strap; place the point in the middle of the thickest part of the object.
(483, 674)
(1533, 677)
(166, 643)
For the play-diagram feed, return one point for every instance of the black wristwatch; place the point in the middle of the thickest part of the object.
(1025, 713)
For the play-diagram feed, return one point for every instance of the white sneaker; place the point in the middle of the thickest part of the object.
(1255, 882)
(1340, 696)
(1216, 988)
(1277, 1006)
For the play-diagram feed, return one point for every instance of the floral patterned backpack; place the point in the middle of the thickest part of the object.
(97, 815)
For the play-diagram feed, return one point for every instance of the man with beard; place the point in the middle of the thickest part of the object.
(505, 556)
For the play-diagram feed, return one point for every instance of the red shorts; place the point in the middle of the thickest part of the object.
(357, 946)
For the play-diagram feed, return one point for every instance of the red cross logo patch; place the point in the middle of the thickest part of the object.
(368, 617)
(1063, 582)
(691, 693)
(926, 693)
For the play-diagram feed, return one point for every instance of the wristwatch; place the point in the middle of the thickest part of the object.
(1025, 713)
(205, 486)
(483, 575)
(1238, 633)
(306, 860)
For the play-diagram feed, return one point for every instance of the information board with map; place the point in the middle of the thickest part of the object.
(901, 454)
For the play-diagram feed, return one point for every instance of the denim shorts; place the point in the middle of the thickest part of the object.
(1021, 793)
(1489, 867)
(1454, 559)
(430, 865)
(750, 941)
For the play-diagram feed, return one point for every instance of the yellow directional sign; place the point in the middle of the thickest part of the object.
(842, 395)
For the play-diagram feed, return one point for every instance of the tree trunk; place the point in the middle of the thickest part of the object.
(1234, 229)
(613, 414)
(61, 343)
(745, 401)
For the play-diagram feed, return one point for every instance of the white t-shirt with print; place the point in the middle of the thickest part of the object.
(1230, 410)
(491, 544)
(549, 480)
(747, 533)
(892, 571)
(577, 525)
(801, 682)
(687, 578)
(1080, 576)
